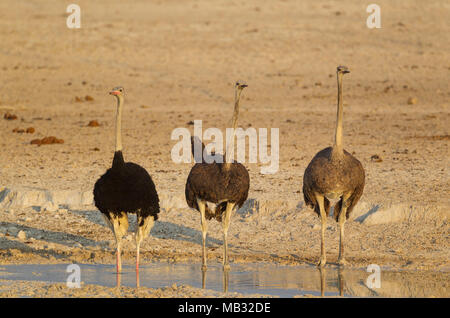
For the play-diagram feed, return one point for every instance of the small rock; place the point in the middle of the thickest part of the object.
(47, 141)
(22, 235)
(316, 227)
(412, 101)
(93, 123)
(88, 98)
(30, 130)
(376, 158)
(9, 116)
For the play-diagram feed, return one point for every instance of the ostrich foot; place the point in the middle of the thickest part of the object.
(322, 262)
(342, 261)
(226, 267)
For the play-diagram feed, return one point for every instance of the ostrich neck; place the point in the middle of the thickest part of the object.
(119, 124)
(338, 134)
(230, 146)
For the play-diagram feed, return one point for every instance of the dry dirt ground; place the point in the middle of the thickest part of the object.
(177, 62)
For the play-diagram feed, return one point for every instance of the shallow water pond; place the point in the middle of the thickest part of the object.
(267, 279)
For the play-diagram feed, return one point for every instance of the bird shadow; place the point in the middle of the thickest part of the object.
(51, 236)
(92, 216)
(373, 210)
(161, 229)
(250, 206)
(7, 245)
(169, 230)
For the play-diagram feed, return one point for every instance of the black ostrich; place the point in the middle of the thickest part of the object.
(223, 184)
(126, 188)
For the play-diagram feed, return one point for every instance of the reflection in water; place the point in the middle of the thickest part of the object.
(322, 272)
(225, 279)
(267, 279)
(340, 280)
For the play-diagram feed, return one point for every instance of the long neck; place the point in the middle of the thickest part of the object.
(234, 119)
(338, 135)
(119, 124)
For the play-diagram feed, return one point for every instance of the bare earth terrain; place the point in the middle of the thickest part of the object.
(178, 62)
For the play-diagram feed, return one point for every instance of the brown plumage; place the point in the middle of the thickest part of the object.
(334, 174)
(224, 184)
(211, 182)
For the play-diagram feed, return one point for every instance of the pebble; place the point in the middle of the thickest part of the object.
(412, 101)
(316, 227)
(22, 235)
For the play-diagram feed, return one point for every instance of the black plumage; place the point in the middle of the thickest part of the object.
(126, 187)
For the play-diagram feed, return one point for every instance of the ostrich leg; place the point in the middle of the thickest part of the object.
(341, 220)
(323, 219)
(119, 226)
(226, 224)
(144, 225)
(201, 206)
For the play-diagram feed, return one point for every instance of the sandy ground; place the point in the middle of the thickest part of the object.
(177, 63)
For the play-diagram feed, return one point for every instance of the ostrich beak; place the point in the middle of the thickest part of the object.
(114, 93)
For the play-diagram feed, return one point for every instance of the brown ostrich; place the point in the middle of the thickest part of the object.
(334, 174)
(223, 184)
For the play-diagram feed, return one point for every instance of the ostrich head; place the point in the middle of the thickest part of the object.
(342, 69)
(240, 85)
(117, 91)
